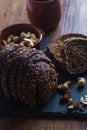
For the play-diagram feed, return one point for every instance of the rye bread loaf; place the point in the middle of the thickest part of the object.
(30, 76)
(69, 53)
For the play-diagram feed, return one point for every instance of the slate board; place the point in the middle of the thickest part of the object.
(52, 108)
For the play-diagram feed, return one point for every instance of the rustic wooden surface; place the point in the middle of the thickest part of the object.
(74, 19)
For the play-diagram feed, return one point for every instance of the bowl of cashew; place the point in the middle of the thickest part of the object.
(23, 34)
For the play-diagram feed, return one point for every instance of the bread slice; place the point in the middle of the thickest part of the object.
(69, 53)
(74, 53)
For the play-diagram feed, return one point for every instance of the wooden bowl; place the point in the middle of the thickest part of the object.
(16, 30)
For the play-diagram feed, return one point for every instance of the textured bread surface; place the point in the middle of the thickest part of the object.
(26, 75)
(69, 53)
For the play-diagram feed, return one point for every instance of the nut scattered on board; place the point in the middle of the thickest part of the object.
(59, 86)
(76, 105)
(86, 97)
(83, 100)
(70, 102)
(81, 81)
(70, 107)
(64, 86)
(25, 39)
(66, 97)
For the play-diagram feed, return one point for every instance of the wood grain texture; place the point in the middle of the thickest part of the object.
(74, 19)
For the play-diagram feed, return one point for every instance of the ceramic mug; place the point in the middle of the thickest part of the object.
(45, 14)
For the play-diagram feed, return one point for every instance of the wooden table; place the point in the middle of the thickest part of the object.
(74, 19)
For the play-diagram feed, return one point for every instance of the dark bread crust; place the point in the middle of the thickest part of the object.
(42, 77)
(29, 75)
(36, 79)
(21, 68)
(5, 59)
(55, 51)
(33, 57)
(5, 72)
(46, 80)
(29, 83)
(12, 81)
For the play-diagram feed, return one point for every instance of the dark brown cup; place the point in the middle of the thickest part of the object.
(45, 14)
(16, 29)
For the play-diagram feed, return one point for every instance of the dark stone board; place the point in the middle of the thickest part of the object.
(53, 108)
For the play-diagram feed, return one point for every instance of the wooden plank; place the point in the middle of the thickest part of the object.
(74, 18)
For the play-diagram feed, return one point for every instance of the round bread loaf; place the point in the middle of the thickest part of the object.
(30, 78)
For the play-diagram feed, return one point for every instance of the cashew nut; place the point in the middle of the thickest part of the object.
(25, 35)
(81, 81)
(29, 42)
(33, 36)
(59, 86)
(4, 42)
(70, 107)
(83, 100)
(66, 84)
(10, 38)
(15, 38)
